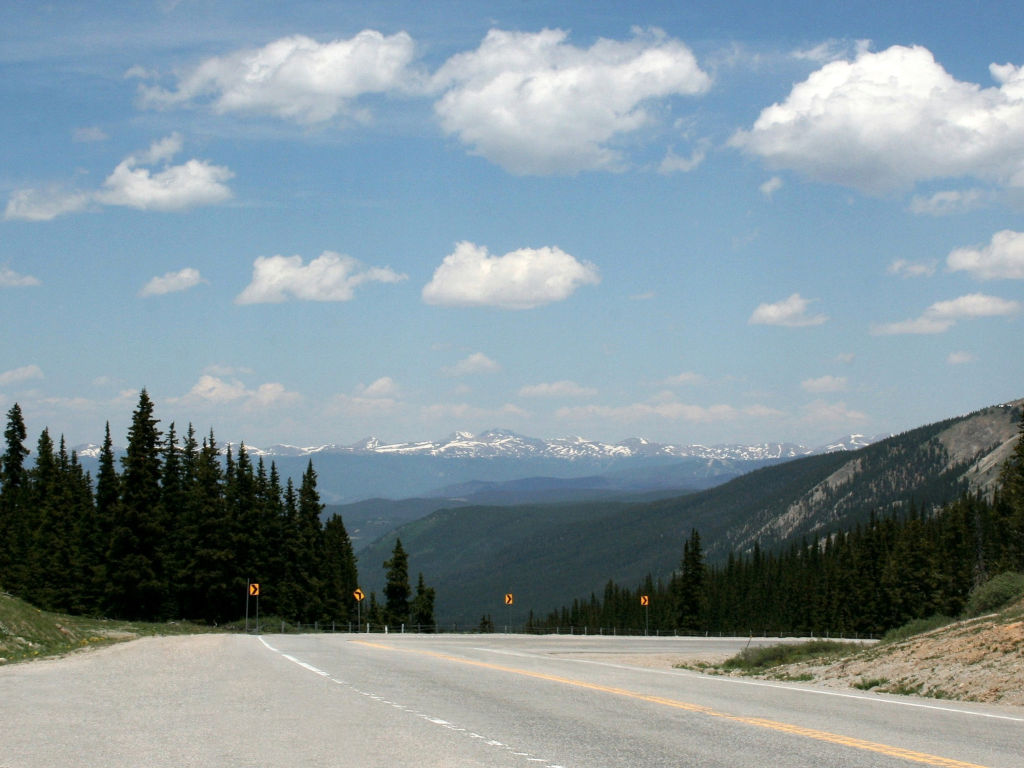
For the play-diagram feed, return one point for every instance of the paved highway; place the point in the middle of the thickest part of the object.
(462, 700)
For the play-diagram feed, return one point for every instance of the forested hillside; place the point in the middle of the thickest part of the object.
(547, 554)
(179, 531)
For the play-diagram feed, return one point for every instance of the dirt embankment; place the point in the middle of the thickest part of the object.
(975, 660)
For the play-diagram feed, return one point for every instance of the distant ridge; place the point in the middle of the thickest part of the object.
(503, 443)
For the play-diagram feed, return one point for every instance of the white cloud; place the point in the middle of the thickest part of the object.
(960, 358)
(791, 312)
(770, 187)
(943, 315)
(947, 202)
(522, 279)
(171, 188)
(45, 204)
(382, 387)
(673, 163)
(1003, 257)
(22, 374)
(11, 279)
(905, 268)
(887, 120)
(296, 78)
(172, 282)
(329, 277)
(213, 391)
(824, 384)
(478, 362)
(535, 104)
(557, 389)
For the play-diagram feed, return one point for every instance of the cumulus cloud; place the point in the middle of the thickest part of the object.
(522, 279)
(172, 188)
(131, 184)
(329, 277)
(792, 312)
(943, 315)
(478, 362)
(385, 386)
(172, 282)
(673, 163)
(296, 77)
(22, 374)
(535, 104)
(1003, 257)
(887, 120)
(824, 384)
(562, 388)
(905, 268)
(11, 279)
(216, 391)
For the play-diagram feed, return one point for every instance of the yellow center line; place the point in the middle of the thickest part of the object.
(760, 722)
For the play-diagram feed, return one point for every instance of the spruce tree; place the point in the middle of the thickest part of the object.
(396, 588)
(422, 609)
(14, 527)
(137, 588)
(340, 578)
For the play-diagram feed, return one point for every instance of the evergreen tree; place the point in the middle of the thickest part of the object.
(14, 527)
(137, 588)
(396, 588)
(339, 572)
(422, 609)
(310, 550)
(690, 597)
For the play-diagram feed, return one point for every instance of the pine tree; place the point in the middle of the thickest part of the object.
(14, 527)
(339, 570)
(396, 589)
(422, 609)
(310, 549)
(137, 588)
(690, 597)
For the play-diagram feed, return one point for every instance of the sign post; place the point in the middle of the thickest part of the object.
(254, 591)
(358, 595)
(509, 601)
(645, 601)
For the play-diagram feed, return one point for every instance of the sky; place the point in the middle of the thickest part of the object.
(312, 222)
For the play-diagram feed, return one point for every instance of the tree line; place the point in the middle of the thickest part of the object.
(179, 531)
(861, 581)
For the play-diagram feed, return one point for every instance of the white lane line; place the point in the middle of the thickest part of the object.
(764, 684)
(434, 720)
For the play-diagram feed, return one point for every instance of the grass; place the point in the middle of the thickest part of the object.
(916, 627)
(753, 661)
(29, 633)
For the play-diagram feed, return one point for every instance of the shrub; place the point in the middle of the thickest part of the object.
(994, 594)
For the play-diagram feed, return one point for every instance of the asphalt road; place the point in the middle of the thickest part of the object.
(450, 700)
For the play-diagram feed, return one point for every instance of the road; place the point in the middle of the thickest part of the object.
(235, 701)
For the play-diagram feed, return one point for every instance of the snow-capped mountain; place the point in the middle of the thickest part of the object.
(502, 443)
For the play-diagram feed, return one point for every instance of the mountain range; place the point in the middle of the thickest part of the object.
(371, 468)
(548, 554)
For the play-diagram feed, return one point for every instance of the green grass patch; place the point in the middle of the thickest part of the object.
(867, 684)
(26, 632)
(752, 661)
(916, 627)
(994, 594)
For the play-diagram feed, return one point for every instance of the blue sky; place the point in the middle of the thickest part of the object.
(315, 222)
